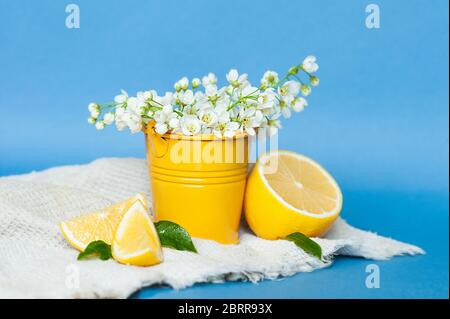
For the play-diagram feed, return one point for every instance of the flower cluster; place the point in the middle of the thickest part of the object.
(199, 106)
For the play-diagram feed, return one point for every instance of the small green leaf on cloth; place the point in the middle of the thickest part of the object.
(97, 248)
(307, 244)
(174, 236)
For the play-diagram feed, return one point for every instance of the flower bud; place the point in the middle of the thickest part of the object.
(184, 83)
(108, 118)
(314, 80)
(305, 89)
(196, 83)
(100, 125)
(91, 120)
(293, 70)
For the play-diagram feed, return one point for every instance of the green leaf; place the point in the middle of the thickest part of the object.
(96, 248)
(174, 236)
(307, 244)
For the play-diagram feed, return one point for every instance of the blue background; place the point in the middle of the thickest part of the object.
(378, 121)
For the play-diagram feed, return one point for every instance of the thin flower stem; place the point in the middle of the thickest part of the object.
(241, 99)
(107, 106)
(298, 79)
(156, 102)
(281, 81)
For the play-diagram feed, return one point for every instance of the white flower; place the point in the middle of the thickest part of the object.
(120, 115)
(267, 101)
(223, 100)
(190, 109)
(145, 95)
(135, 105)
(108, 118)
(209, 79)
(235, 79)
(215, 97)
(186, 97)
(226, 129)
(274, 123)
(174, 123)
(100, 125)
(208, 117)
(165, 119)
(289, 90)
(223, 116)
(250, 119)
(199, 95)
(121, 125)
(161, 116)
(299, 104)
(93, 107)
(270, 78)
(309, 64)
(161, 128)
(284, 109)
(196, 83)
(134, 123)
(230, 129)
(121, 98)
(190, 125)
(168, 98)
(210, 90)
(249, 91)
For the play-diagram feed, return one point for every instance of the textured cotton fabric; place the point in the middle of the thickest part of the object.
(36, 262)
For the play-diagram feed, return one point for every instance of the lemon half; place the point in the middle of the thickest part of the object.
(288, 192)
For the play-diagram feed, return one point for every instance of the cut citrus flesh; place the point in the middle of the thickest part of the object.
(98, 225)
(136, 241)
(288, 192)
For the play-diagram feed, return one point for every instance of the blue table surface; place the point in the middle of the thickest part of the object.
(387, 213)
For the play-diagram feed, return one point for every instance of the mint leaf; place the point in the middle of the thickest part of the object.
(307, 244)
(174, 236)
(96, 248)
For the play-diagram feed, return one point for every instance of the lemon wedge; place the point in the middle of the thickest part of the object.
(288, 192)
(98, 225)
(136, 241)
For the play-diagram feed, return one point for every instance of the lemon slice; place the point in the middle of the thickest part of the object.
(98, 225)
(136, 241)
(288, 192)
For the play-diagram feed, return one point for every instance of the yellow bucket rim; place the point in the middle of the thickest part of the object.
(201, 137)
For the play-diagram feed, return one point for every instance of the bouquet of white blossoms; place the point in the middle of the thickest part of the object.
(235, 108)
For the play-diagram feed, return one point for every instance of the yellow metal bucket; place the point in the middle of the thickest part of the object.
(198, 182)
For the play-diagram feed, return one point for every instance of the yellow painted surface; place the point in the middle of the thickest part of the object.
(198, 182)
